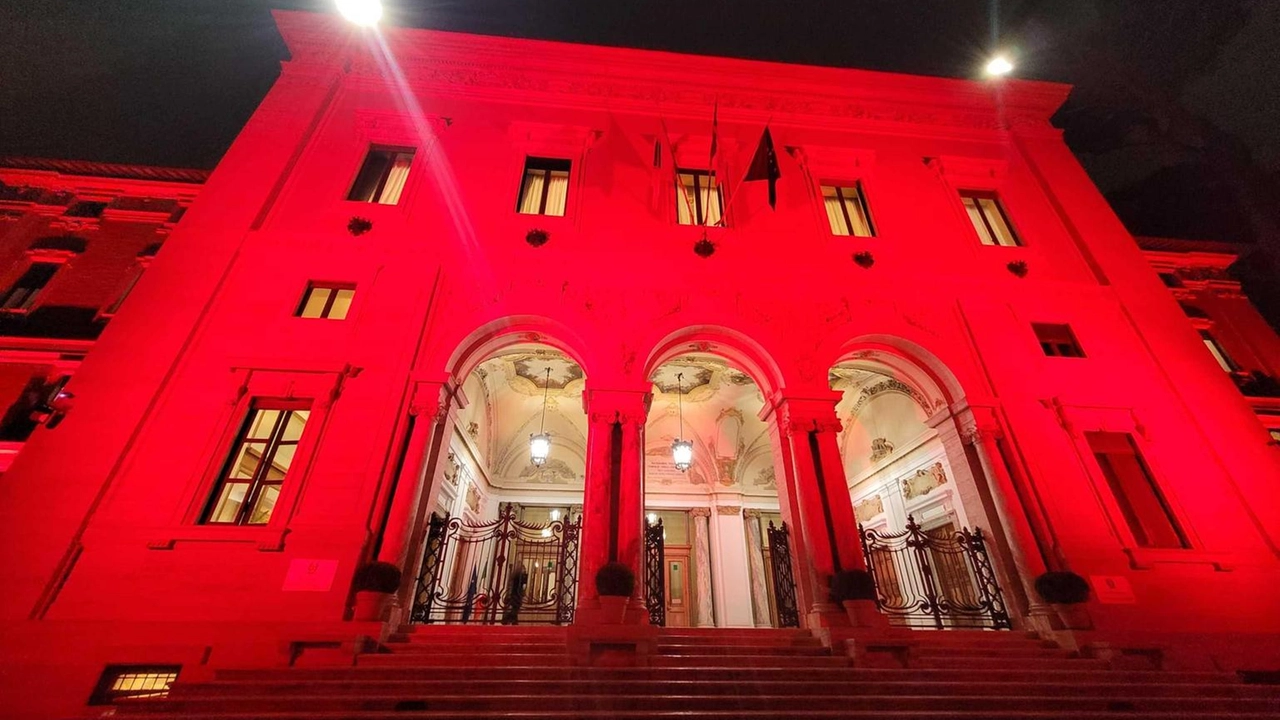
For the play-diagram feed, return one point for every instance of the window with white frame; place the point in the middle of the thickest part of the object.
(382, 176)
(545, 187)
(846, 207)
(21, 296)
(989, 218)
(698, 198)
(327, 301)
(1141, 501)
(1224, 360)
(258, 464)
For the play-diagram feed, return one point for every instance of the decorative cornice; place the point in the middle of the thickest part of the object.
(646, 82)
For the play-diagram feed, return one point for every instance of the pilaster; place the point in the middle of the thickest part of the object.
(756, 570)
(705, 616)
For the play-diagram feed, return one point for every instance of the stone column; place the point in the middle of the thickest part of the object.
(732, 569)
(755, 560)
(808, 426)
(432, 408)
(1016, 529)
(613, 499)
(702, 565)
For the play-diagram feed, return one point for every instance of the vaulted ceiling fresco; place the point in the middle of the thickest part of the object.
(884, 408)
(505, 395)
(731, 446)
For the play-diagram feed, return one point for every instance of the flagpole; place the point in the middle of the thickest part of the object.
(675, 171)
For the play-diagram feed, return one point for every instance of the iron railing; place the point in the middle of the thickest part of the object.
(501, 571)
(784, 585)
(939, 578)
(655, 566)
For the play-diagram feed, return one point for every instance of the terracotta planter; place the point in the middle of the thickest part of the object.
(1074, 616)
(613, 609)
(372, 606)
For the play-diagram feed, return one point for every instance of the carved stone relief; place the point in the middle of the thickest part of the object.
(868, 508)
(924, 481)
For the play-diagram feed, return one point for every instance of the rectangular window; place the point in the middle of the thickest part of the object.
(1057, 340)
(382, 177)
(1224, 360)
(989, 218)
(135, 274)
(545, 188)
(133, 681)
(326, 301)
(21, 296)
(698, 200)
(847, 210)
(1143, 506)
(264, 450)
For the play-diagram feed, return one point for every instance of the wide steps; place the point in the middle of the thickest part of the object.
(731, 714)
(465, 660)
(698, 662)
(555, 699)
(459, 649)
(844, 688)
(814, 648)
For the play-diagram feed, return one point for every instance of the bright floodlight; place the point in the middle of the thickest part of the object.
(999, 66)
(361, 12)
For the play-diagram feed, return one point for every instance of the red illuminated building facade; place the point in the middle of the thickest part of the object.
(421, 252)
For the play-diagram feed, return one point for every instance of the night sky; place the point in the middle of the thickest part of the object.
(1175, 112)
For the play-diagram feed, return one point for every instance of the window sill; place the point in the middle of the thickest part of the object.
(1148, 558)
(267, 539)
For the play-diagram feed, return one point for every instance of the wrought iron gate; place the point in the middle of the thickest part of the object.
(784, 585)
(655, 565)
(939, 578)
(502, 571)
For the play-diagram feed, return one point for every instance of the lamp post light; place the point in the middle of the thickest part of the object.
(364, 13)
(540, 444)
(999, 66)
(681, 449)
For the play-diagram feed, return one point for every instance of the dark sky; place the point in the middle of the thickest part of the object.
(1174, 114)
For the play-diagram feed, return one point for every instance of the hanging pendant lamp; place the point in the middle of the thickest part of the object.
(540, 444)
(681, 449)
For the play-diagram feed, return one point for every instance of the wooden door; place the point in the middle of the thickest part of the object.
(679, 591)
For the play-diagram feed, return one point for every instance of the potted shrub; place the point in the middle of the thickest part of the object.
(375, 584)
(614, 584)
(1067, 592)
(855, 590)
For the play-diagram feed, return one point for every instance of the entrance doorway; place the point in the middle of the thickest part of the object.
(720, 504)
(502, 545)
(929, 561)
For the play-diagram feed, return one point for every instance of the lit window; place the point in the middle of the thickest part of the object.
(21, 296)
(326, 301)
(133, 681)
(847, 210)
(545, 187)
(382, 177)
(1143, 506)
(698, 200)
(989, 219)
(1224, 360)
(135, 274)
(264, 450)
(1275, 435)
(1057, 340)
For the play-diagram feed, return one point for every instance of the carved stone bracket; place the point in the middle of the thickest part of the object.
(699, 512)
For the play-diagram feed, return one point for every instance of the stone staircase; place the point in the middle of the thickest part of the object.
(504, 672)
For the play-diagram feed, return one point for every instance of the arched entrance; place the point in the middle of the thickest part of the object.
(718, 567)
(918, 494)
(503, 523)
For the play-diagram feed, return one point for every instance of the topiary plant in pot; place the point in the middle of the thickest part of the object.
(1067, 592)
(614, 584)
(375, 584)
(855, 590)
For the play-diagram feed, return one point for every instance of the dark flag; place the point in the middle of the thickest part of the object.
(764, 166)
(715, 126)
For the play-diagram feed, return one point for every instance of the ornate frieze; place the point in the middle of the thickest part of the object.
(924, 481)
(868, 508)
(728, 509)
